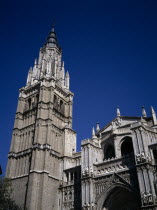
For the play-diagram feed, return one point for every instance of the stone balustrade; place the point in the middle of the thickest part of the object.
(113, 165)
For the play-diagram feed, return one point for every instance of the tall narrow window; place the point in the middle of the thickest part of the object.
(29, 103)
(61, 106)
(37, 98)
(55, 101)
(72, 176)
(155, 154)
(127, 147)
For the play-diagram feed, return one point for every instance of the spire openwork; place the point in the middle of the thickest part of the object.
(49, 65)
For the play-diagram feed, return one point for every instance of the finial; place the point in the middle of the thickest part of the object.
(153, 116)
(52, 38)
(53, 25)
(30, 69)
(144, 114)
(67, 74)
(152, 110)
(53, 28)
(118, 111)
(97, 127)
(67, 80)
(93, 132)
(62, 66)
(29, 77)
(35, 62)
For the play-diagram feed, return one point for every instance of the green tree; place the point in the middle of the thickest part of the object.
(6, 201)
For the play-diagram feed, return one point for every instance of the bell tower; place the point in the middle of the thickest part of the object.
(42, 136)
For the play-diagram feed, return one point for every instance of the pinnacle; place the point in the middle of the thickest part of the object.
(53, 28)
(118, 111)
(152, 110)
(67, 74)
(52, 38)
(144, 114)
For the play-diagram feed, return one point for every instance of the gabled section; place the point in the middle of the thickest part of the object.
(116, 178)
(123, 121)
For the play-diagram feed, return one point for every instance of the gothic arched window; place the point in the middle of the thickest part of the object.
(109, 152)
(55, 101)
(127, 147)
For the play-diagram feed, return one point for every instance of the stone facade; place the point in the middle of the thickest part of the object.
(116, 168)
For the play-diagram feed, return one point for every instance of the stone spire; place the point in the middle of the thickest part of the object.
(144, 114)
(29, 77)
(62, 74)
(35, 62)
(97, 127)
(118, 111)
(153, 116)
(35, 70)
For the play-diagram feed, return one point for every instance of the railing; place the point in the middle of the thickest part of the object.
(114, 165)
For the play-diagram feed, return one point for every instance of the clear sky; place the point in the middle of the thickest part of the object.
(109, 48)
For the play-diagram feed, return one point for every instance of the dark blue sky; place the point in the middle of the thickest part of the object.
(109, 48)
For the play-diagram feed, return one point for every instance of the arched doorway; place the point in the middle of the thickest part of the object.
(121, 199)
(127, 146)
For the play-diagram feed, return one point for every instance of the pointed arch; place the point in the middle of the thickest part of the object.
(55, 101)
(127, 146)
(110, 193)
(121, 198)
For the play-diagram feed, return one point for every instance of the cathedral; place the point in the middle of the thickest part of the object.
(115, 170)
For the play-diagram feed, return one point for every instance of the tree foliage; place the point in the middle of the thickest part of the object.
(6, 201)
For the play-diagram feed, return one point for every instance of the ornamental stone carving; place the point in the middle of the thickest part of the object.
(147, 198)
(142, 158)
